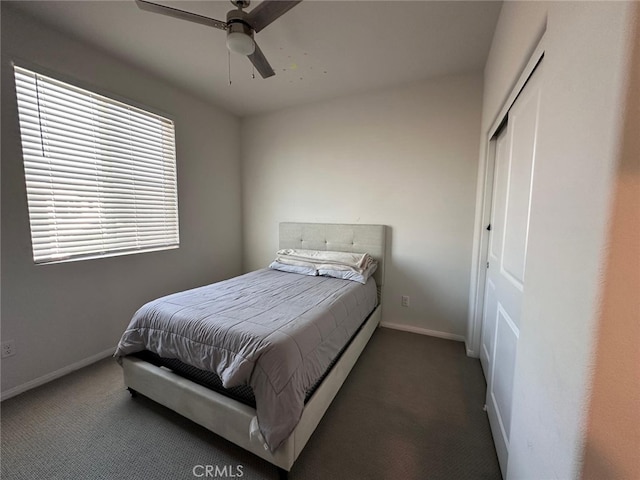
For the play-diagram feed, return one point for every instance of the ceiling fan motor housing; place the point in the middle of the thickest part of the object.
(239, 33)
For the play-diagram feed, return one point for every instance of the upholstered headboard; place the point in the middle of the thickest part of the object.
(338, 237)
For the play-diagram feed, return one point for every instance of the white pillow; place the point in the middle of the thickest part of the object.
(350, 274)
(354, 261)
(302, 270)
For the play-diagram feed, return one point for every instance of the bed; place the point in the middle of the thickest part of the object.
(235, 419)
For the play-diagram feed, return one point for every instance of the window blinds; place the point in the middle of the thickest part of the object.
(100, 174)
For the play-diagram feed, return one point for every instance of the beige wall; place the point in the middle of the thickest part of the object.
(405, 157)
(63, 314)
(613, 429)
(584, 70)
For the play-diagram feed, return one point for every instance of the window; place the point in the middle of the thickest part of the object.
(100, 174)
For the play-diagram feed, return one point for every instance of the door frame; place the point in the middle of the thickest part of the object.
(484, 198)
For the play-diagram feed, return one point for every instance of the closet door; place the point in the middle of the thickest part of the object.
(505, 280)
(500, 173)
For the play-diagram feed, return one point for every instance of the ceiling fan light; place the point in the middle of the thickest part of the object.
(240, 42)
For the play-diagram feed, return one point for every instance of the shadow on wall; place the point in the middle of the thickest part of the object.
(613, 425)
(433, 307)
(429, 308)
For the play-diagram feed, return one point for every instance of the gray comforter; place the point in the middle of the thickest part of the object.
(275, 331)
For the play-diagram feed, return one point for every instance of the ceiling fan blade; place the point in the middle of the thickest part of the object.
(260, 62)
(183, 15)
(268, 11)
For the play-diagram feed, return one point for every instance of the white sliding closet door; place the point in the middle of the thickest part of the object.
(505, 281)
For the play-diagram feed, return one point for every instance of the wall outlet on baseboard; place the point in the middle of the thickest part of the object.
(405, 300)
(8, 348)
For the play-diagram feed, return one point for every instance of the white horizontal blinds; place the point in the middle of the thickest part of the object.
(100, 174)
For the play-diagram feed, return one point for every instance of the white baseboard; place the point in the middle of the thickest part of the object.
(423, 331)
(57, 374)
(472, 353)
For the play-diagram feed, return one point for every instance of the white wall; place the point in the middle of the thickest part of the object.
(63, 314)
(405, 157)
(583, 74)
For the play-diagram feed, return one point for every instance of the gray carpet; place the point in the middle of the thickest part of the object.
(411, 409)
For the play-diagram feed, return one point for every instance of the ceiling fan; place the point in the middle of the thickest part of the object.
(240, 25)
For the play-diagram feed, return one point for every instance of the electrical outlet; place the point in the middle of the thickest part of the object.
(8, 348)
(405, 300)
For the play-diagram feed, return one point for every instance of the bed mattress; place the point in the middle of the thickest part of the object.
(275, 332)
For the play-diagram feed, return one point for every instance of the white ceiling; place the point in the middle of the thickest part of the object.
(320, 49)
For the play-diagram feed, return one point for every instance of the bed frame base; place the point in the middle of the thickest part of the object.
(231, 419)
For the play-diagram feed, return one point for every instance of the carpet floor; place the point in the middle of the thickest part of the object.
(412, 408)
